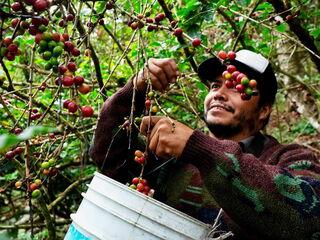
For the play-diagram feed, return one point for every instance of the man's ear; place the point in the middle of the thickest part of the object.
(264, 112)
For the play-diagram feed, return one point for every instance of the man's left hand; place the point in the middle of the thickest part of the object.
(167, 137)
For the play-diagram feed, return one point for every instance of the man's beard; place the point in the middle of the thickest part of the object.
(222, 131)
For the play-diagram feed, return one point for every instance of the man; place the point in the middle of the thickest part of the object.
(267, 190)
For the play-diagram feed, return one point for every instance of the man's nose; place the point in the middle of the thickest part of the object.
(221, 93)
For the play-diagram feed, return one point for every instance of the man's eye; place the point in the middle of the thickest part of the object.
(215, 85)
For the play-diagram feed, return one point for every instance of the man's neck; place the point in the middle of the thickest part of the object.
(237, 137)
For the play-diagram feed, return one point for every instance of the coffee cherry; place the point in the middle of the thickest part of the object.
(9, 155)
(14, 22)
(140, 160)
(154, 109)
(87, 111)
(78, 80)
(231, 55)
(229, 84)
(44, 21)
(88, 52)
(65, 36)
(248, 91)
(226, 75)
(7, 41)
(18, 184)
(38, 38)
(138, 153)
(40, 5)
(231, 68)
(134, 25)
(38, 182)
(16, 6)
(223, 55)
(56, 37)
(72, 107)
(72, 66)
(235, 75)
(244, 81)
(18, 150)
(109, 5)
(196, 42)
(244, 96)
(178, 32)
(140, 187)
(239, 77)
(33, 187)
(45, 165)
(66, 103)
(135, 180)
(147, 103)
(52, 162)
(67, 81)
(46, 171)
(159, 17)
(151, 94)
(10, 56)
(70, 17)
(253, 83)
(84, 88)
(36, 193)
(17, 130)
(13, 48)
(149, 20)
(101, 21)
(68, 46)
(24, 24)
(75, 52)
(173, 24)
(240, 88)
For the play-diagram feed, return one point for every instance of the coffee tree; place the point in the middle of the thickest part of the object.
(61, 59)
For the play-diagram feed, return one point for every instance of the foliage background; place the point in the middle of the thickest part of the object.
(291, 43)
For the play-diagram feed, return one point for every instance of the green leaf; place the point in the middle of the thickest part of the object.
(7, 140)
(282, 27)
(315, 33)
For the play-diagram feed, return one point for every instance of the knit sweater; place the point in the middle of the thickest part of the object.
(267, 190)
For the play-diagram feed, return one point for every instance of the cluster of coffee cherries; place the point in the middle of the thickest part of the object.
(37, 5)
(72, 106)
(141, 185)
(48, 167)
(236, 79)
(52, 45)
(12, 153)
(35, 114)
(153, 23)
(33, 187)
(149, 103)
(9, 49)
(67, 78)
(178, 32)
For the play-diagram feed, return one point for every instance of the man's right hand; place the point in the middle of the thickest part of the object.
(162, 72)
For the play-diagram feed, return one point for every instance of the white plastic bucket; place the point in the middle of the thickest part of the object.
(111, 211)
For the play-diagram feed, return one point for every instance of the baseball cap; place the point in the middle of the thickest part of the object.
(254, 65)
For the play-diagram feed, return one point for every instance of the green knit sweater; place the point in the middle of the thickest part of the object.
(267, 190)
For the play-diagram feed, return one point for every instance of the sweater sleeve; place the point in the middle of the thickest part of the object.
(274, 199)
(110, 146)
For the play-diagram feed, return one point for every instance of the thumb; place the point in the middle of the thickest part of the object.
(147, 123)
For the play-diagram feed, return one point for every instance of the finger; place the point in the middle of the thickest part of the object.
(146, 121)
(154, 141)
(156, 84)
(170, 68)
(159, 73)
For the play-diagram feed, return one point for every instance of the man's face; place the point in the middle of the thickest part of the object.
(227, 115)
